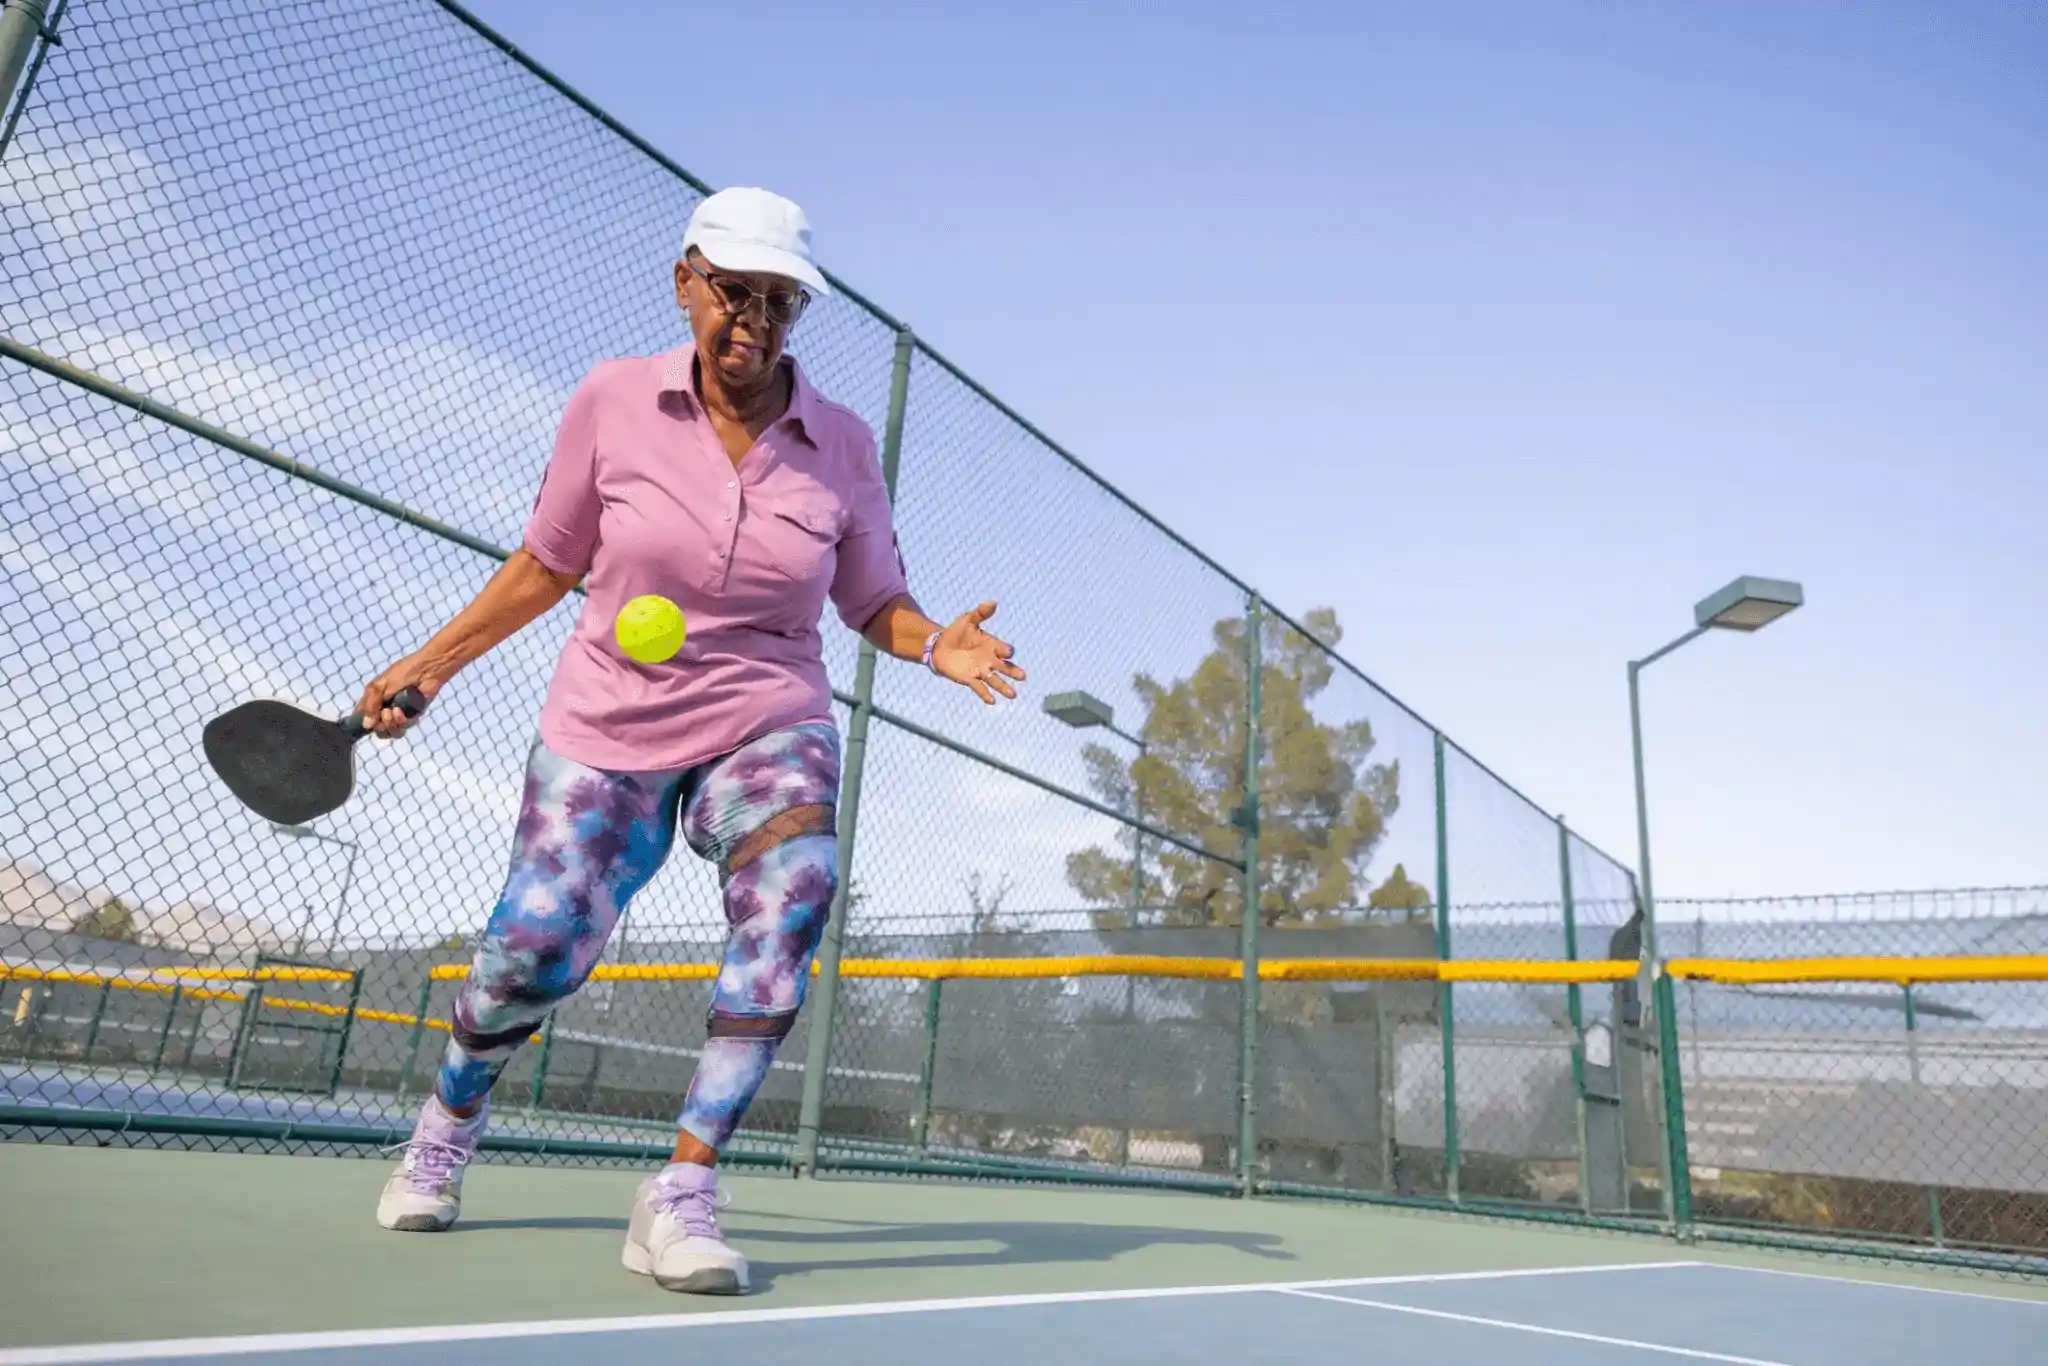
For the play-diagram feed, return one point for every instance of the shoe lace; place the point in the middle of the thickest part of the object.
(429, 1162)
(695, 1210)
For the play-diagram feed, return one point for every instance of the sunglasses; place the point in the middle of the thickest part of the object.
(782, 306)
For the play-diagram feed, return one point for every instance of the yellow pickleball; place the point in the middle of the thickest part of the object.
(649, 628)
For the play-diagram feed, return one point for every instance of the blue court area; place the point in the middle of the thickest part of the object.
(1587, 1316)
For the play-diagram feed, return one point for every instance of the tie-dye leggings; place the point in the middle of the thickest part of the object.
(588, 840)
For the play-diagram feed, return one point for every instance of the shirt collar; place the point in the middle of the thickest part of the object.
(679, 377)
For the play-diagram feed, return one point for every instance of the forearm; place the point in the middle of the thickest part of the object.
(900, 629)
(520, 592)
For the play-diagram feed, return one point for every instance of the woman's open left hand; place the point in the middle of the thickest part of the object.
(973, 658)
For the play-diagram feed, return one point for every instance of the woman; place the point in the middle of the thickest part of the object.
(714, 476)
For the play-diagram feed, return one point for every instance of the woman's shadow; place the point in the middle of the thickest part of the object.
(1015, 1242)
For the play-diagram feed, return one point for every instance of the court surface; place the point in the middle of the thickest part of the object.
(128, 1255)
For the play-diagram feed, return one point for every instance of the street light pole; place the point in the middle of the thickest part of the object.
(1635, 723)
(306, 832)
(1137, 833)
(1083, 711)
(348, 878)
(1747, 604)
(1123, 1147)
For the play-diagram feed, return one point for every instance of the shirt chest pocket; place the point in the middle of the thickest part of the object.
(792, 538)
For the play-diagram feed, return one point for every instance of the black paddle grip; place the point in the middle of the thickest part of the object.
(409, 700)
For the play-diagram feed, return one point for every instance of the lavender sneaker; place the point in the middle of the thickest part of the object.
(425, 1194)
(674, 1235)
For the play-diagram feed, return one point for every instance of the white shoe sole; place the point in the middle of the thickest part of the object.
(707, 1280)
(417, 1223)
(404, 1212)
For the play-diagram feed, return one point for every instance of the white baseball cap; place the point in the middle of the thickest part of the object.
(748, 230)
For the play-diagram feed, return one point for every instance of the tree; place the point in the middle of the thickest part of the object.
(1400, 893)
(114, 920)
(987, 905)
(1323, 806)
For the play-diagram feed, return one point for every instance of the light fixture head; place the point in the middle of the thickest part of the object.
(1079, 710)
(1749, 604)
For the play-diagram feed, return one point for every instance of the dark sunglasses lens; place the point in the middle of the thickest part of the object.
(783, 306)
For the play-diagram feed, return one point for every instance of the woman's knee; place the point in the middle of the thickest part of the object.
(778, 902)
(748, 799)
(522, 970)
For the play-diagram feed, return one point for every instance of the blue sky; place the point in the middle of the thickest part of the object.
(1509, 331)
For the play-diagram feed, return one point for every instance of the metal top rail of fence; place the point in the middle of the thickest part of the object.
(293, 297)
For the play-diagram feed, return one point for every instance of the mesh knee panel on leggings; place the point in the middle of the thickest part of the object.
(778, 900)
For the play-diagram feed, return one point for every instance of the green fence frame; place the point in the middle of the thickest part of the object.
(1248, 825)
(1575, 1014)
(811, 1114)
(1444, 997)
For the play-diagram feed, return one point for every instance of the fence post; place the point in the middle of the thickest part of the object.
(1123, 1144)
(1443, 989)
(1124, 1037)
(99, 1014)
(1248, 994)
(163, 1038)
(1575, 1013)
(1680, 1184)
(1913, 1075)
(21, 27)
(825, 1008)
(1388, 1028)
(1692, 987)
(419, 1027)
(921, 1127)
(192, 1035)
(348, 1027)
(245, 1026)
(540, 1063)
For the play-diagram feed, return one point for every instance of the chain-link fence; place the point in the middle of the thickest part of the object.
(1903, 1110)
(292, 299)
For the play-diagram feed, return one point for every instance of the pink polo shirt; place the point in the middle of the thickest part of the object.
(641, 497)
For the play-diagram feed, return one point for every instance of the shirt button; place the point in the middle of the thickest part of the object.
(729, 483)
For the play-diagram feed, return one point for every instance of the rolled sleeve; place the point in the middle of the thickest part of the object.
(561, 531)
(870, 573)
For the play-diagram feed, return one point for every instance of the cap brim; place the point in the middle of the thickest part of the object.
(751, 258)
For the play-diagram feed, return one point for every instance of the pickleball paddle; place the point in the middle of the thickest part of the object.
(287, 764)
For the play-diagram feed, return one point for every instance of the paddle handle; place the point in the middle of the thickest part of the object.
(411, 701)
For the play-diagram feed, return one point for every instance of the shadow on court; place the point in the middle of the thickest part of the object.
(972, 1244)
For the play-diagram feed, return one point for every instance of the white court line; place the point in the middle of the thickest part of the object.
(1881, 1285)
(170, 1348)
(1664, 1348)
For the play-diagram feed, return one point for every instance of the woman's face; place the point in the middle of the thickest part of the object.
(740, 321)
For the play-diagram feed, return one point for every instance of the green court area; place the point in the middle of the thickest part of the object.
(120, 1244)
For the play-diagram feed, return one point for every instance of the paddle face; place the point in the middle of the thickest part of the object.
(285, 764)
